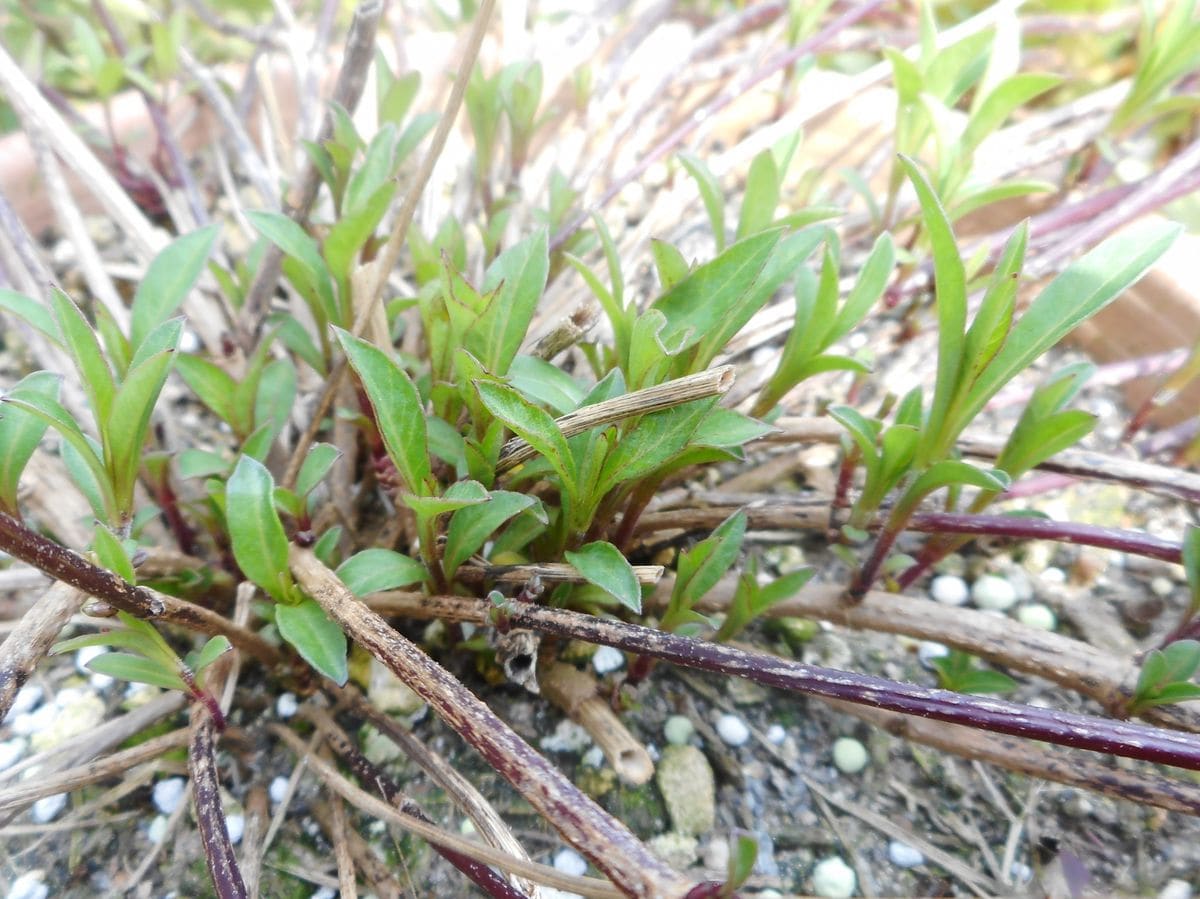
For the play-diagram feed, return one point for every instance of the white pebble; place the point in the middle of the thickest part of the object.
(568, 861)
(606, 659)
(567, 737)
(189, 341)
(1162, 586)
(1054, 576)
(47, 809)
(278, 789)
(30, 723)
(949, 590)
(157, 829)
(733, 730)
(904, 856)
(11, 752)
(1176, 889)
(776, 734)
(168, 793)
(1037, 616)
(236, 825)
(593, 758)
(849, 755)
(991, 592)
(1021, 872)
(716, 855)
(27, 699)
(928, 651)
(834, 879)
(678, 729)
(325, 893)
(286, 705)
(29, 886)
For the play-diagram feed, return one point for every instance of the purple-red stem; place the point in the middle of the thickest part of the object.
(1124, 739)
(210, 817)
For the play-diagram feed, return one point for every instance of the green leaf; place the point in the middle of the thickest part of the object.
(868, 288)
(657, 439)
(518, 277)
(318, 639)
(1083, 289)
(193, 463)
(171, 274)
(761, 197)
(379, 569)
(84, 348)
(1008, 96)
(950, 291)
(727, 428)
(471, 527)
(164, 337)
(49, 410)
(111, 554)
(951, 472)
(708, 561)
(1191, 561)
(533, 425)
(672, 267)
(710, 193)
(350, 232)
(982, 680)
(125, 430)
(992, 322)
(602, 564)
(317, 462)
(741, 861)
(212, 385)
(459, 495)
(544, 383)
(31, 312)
(137, 669)
(399, 412)
(292, 240)
(20, 434)
(863, 431)
(213, 649)
(256, 534)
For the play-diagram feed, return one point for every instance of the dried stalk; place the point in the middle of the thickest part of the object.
(210, 817)
(91, 772)
(585, 886)
(368, 773)
(258, 813)
(713, 382)
(603, 839)
(488, 823)
(24, 648)
(575, 692)
(1018, 755)
(556, 572)
(374, 871)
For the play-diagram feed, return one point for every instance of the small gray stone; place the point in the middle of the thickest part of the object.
(949, 590)
(991, 592)
(715, 855)
(732, 730)
(278, 789)
(834, 879)
(928, 651)
(11, 752)
(686, 783)
(286, 705)
(236, 824)
(677, 850)
(904, 856)
(776, 734)
(29, 886)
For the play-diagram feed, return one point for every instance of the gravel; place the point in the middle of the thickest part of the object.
(949, 590)
(568, 861)
(834, 879)
(849, 755)
(606, 660)
(904, 856)
(993, 593)
(167, 794)
(732, 730)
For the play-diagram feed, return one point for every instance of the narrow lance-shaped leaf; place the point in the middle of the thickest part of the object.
(533, 425)
(761, 197)
(399, 413)
(518, 276)
(379, 569)
(171, 274)
(950, 292)
(20, 434)
(125, 430)
(1083, 289)
(710, 193)
(471, 527)
(84, 347)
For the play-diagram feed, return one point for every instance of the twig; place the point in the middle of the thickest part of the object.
(24, 648)
(257, 813)
(329, 775)
(603, 839)
(713, 382)
(575, 692)
(91, 772)
(210, 817)
(557, 572)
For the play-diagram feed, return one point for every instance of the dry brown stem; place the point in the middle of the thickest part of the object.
(31, 639)
(603, 839)
(576, 693)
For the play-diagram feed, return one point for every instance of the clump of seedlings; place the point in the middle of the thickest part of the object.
(408, 422)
